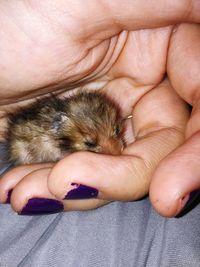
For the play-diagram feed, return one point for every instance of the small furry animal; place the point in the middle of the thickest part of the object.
(50, 128)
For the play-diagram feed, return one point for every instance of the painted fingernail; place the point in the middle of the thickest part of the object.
(8, 196)
(189, 202)
(41, 206)
(79, 191)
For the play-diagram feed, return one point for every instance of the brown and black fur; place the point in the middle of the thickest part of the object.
(50, 128)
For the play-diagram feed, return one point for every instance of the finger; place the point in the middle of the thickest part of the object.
(133, 16)
(79, 175)
(146, 14)
(183, 63)
(176, 178)
(32, 197)
(159, 120)
(11, 178)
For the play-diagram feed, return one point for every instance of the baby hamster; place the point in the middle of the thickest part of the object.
(50, 128)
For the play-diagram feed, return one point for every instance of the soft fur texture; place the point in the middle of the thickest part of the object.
(50, 128)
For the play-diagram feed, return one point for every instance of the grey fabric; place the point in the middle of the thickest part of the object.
(117, 235)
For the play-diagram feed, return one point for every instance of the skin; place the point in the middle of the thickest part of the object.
(126, 52)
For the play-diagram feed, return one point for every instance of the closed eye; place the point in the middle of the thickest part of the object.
(117, 130)
(90, 144)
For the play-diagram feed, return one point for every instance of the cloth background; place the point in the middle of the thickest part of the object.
(117, 235)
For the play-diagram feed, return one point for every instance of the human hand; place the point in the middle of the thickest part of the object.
(73, 52)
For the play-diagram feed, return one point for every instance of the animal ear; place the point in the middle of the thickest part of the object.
(58, 119)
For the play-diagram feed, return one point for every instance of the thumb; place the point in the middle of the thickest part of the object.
(178, 175)
(176, 181)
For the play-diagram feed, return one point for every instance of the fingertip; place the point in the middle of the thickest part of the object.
(75, 175)
(176, 178)
(165, 205)
(19, 197)
(32, 186)
(168, 192)
(4, 194)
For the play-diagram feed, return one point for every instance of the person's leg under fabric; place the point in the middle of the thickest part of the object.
(116, 235)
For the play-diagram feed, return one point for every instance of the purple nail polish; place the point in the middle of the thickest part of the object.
(40, 206)
(8, 196)
(81, 192)
(193, 201)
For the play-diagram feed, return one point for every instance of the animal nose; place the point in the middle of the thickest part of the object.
(113, 147)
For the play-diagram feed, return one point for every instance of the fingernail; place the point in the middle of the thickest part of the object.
(40, 206)
(189, 202)
(8, 196)
(79, 191)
